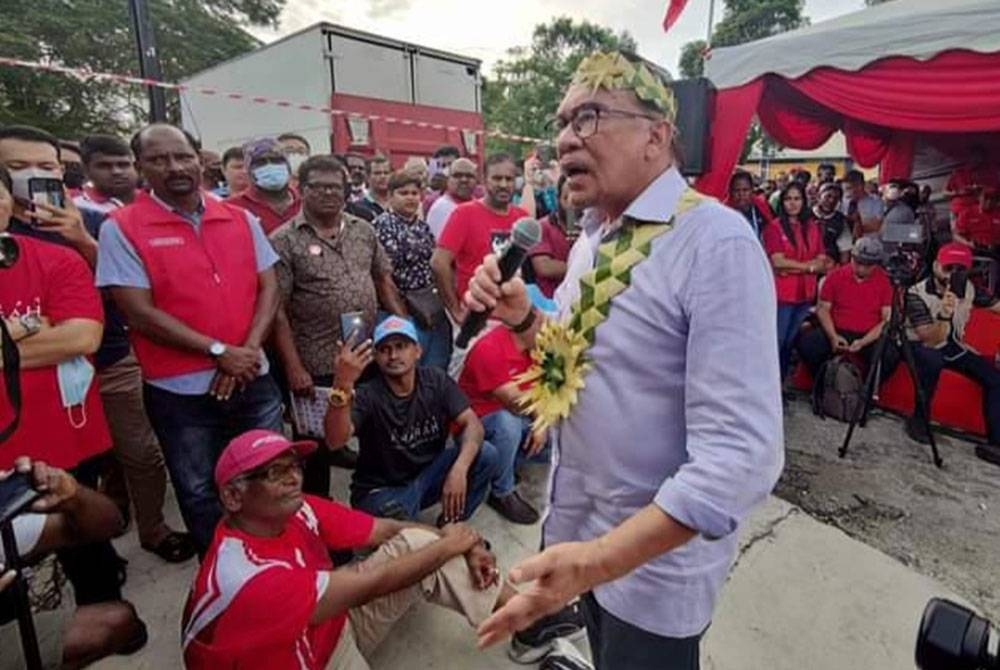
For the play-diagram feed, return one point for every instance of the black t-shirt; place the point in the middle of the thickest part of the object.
(833, 228)
(399, 437)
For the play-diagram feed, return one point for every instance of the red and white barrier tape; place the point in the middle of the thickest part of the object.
(84, 74)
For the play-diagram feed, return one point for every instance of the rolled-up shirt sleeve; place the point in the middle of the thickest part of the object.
(733, 415)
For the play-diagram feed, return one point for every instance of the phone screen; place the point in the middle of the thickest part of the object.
(16, 493)
(47, 191)
(352, 325)
(958, 281)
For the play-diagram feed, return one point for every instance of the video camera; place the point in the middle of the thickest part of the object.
(903, 236)
(952, 637)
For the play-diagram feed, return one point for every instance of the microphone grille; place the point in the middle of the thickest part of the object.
(526, 233)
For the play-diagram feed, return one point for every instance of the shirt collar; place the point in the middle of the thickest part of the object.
(300, 220)
(657, 202)
(170, 208)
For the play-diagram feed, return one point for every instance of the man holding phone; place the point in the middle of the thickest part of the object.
(938, 310)
(41, 207)
(332, 273)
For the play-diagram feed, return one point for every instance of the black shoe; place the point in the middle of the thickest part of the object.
(989, 453)
(535, 642)
(565, 656)
(513, 508)
(917, 431)
(345, 458)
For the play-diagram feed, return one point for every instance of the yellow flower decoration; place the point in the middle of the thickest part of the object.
(555, 376)
(614, 72)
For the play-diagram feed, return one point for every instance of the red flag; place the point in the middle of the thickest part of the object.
(674, 10)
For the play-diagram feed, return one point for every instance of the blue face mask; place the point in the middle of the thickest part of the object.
(75, 377)
(271, 177)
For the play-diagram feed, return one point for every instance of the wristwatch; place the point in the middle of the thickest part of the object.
(527, 323)
(340, 397)
(942, 317)
(216, 349)
(31, 322)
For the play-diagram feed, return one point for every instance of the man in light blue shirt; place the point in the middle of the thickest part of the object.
(677, 434)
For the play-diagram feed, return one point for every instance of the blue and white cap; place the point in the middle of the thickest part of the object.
(395, 325)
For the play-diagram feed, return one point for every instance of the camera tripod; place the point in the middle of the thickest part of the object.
(894, 333)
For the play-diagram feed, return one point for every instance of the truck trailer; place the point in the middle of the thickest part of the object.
(393, 97)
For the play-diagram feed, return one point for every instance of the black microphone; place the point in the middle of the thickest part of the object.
(525, 234)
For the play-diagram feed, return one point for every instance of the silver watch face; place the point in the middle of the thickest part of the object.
(31, 322)
(217, 349)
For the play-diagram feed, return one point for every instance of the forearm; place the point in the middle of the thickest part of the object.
(385, 529)
(87, 247)
(265, 310)
(284, 341)
(872, 335)
(548, 267)
(826, 322)
(389, 296)
(639, 539)
(337, 426)
(468, 449)
(444, 277)
(167, 330)
(51, 346)
(528, 203)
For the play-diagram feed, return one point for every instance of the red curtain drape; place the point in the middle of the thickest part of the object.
(880, 109)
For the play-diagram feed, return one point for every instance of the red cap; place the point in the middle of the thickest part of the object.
(252, 449)
(955, 253)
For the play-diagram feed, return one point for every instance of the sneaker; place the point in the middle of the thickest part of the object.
(917, 431)
(513, 508)
(565, 656)
(533, 643)
(989, 453)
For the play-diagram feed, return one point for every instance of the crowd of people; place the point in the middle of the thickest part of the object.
(174, 307)
(830, 241)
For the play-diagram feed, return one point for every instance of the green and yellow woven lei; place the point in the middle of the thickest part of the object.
(559, 359)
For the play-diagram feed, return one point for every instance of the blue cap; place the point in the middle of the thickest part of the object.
(395, 325)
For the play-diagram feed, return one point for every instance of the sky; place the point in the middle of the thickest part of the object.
(485, 30)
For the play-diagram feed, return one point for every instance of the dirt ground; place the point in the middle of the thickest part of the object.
(944, 523)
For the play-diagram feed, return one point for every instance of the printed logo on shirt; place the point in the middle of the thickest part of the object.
(417, 433)
(166, 241)
(20, 309)
(498, 239)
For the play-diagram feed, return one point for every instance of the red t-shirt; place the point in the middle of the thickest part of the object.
(493, 361)
(472, 232)
(794, 288)
(251, 601)
(856, 306)
(978, 226)
(56, 283)
(554, 244)
(964, 177)
(270, 220)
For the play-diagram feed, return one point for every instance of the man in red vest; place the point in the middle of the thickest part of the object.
(194, 278)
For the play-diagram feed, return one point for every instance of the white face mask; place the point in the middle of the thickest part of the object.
(295, 161)
(19, 180)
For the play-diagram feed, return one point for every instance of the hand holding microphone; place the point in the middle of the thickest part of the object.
(494, 288)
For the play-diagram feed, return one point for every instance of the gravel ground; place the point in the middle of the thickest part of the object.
(944, 523)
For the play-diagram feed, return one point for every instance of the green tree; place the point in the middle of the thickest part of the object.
(97, 35)
(744, 21)
(526, 86)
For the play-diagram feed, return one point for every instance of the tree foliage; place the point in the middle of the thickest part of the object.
(97, 35)
(527, 85)
(692, 60)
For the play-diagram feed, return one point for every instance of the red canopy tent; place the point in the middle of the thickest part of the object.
(885, 76)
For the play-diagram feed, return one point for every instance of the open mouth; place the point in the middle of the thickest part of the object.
(573, 169)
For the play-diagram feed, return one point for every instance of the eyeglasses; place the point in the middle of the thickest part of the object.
(585, 120)
(463, 175)
(325, 188)
(275, 473)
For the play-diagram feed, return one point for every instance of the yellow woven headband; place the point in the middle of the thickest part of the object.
(614, 72)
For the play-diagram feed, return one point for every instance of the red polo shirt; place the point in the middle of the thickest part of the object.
(55, 283)
(856, 305)
(794, 288)
(473, 231)
(270, 219)
(978, 226)
(493, 362)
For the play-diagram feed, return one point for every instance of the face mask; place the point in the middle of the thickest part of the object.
(271, 177)
(19, 180)
(75, 377)
(73, 175)
(295, 161)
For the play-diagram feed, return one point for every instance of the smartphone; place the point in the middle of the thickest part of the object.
(16, 493)
(352, 327)
(47, 191)
(545, 153)
(957, 283)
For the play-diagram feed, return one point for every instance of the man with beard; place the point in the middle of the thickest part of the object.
(270, 196)
(837, 238)
(194, 278)
(473, 230)
(462, 181)
(659, 381)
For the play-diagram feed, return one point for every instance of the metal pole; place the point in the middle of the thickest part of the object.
(711, 20)
(149, 59)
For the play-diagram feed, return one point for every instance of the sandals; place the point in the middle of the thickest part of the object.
(174, 548)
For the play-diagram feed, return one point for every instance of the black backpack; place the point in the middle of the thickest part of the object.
(838, 389)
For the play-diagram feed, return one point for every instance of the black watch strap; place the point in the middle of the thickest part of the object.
(527, 323)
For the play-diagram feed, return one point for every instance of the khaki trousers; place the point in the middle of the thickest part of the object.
(449, 586)
(135, 446)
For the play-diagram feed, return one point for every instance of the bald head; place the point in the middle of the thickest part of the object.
(462, 179)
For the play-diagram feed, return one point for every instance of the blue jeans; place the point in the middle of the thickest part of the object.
(193, 430)
(405, 502)
(507, 432)
(790, 320)
(435, 342)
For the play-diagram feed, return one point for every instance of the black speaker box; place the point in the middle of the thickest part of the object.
(695, 102)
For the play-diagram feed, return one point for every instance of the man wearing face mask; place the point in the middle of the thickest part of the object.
(72, 164)
(31, 153)
(296, 149)
(270, 196)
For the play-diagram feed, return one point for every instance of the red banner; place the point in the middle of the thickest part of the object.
(674, 10)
